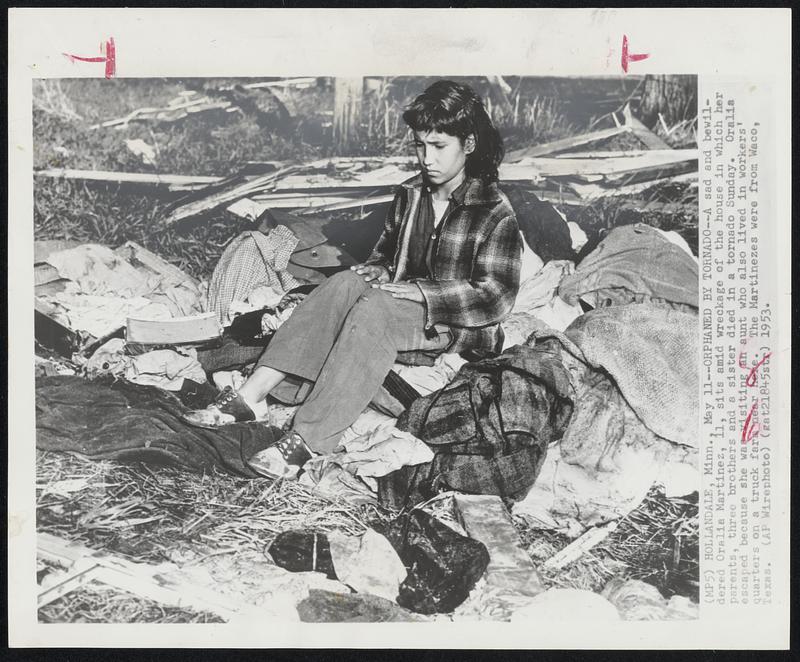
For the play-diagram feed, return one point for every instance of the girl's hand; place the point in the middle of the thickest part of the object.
(403, 290)
(371, 272)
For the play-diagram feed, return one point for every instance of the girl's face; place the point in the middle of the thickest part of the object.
(441, 156)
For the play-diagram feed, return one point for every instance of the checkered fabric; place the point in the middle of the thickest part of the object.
(489, 428)
(475, 265)
(251, 260)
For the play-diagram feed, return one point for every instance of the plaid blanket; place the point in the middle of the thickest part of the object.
(489, 428)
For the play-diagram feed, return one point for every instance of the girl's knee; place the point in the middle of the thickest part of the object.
(348, 278)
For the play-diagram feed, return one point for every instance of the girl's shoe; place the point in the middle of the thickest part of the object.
(229, 407)
(283, 459)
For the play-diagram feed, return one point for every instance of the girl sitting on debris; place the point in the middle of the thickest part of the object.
(442, 276)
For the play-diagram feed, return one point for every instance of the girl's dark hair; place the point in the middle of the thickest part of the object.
(455, 109)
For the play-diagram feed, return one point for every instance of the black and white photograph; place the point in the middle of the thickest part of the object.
(479, 344)
(368, 348)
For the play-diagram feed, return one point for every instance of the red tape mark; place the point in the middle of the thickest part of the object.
(110, 57)
(630, 57)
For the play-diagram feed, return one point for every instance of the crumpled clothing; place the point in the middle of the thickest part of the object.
(367, 563)
(270, 322)
(382, 451)
(182, 300)
(490, 427)
(427, 379)
(652, 352)
(108, 359)
(48, 367)
(334, 482)
(639, 601)
(368, 422)
(165, 368)
(101, 315)
(540, 288)
(260, 298)
(633, 263)
(606, 460)
(530, 263)
(127, 422)
(250, 261)
(376, 451)
(96, 269)
(557, 315)
(604, 465)
(680, 242)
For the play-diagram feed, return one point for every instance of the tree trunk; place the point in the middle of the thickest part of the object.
(347, 96)
(674, 97)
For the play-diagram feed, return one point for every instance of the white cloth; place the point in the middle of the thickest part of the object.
(578, 236)
(427, 379)
(530, 263)
(674, 238)
(97, 270)
(367, 563)
(165, 369)
(100, 315)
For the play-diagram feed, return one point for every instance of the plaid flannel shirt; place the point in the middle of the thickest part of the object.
(476, 262)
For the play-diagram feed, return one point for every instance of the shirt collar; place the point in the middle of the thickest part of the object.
(472, 191)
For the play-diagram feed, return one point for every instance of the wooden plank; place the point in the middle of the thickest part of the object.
(574, 165)
(44, 273)
(106, 177)
(650, 139)
(146, 260)
(649, 173)
(176, 331)
(579, 547)
(76, 578)
(352, 204)
(564, 144)
(590, 192)
(615, 154)
(162, 583)
(216, 200)
(286, 82)
(485, 518)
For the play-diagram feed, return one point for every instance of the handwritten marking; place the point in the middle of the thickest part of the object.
(751, 428)
(750, 381)
(109, 56)
(630, 57)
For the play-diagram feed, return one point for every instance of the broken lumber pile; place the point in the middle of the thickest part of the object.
(555, 172)
(185, 104)
(165, 583)
(629, 125)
